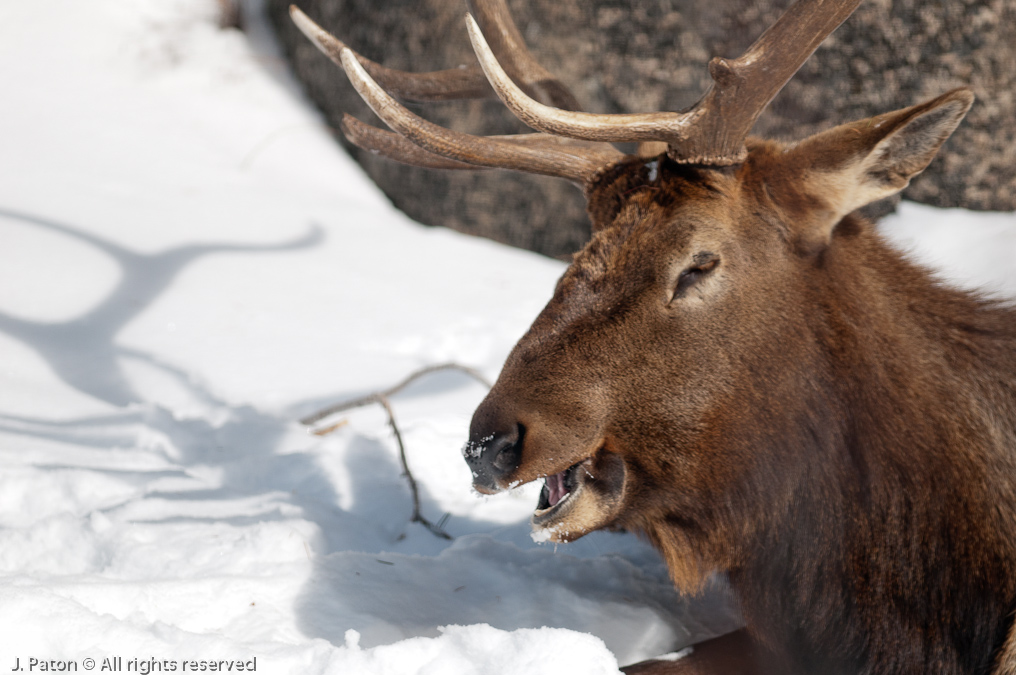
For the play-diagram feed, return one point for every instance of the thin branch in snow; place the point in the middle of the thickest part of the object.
(417, 516)
(324, 431)
(382, 398)
(376, 396)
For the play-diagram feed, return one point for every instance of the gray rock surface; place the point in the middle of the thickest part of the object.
(637, 56)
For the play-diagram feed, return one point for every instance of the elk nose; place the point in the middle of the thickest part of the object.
(492, 457)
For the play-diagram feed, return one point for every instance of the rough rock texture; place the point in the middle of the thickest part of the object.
(635, 56)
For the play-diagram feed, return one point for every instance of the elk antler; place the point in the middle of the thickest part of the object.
(712, 132)
(467, 82)
(442, 85)
(399, 147)
(433, 146)
(552, 156)
(714, 129)
(507, 43)
(394, 146)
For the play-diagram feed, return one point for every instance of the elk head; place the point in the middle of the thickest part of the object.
(676, 372)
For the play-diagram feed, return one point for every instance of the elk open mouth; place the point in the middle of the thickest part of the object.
(559, 491)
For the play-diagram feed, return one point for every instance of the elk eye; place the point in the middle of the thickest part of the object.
(704, 264)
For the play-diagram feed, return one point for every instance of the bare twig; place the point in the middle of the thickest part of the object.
(382, 398)
(376, 396)
(417, 516)
(324, 431)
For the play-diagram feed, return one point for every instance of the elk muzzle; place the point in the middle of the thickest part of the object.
(493, 453)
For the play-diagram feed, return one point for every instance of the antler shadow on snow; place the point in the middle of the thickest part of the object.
(243, 441)
(254, 482)
(83, 351)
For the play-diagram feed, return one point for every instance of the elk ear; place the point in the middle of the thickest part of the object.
(855, 164)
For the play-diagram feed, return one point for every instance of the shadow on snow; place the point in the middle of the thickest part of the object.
(374, 571)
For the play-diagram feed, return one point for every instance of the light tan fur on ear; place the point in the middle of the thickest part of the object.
(855, 164)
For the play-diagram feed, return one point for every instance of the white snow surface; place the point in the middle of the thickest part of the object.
(189, 265)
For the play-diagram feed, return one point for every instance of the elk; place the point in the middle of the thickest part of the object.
(738, 367)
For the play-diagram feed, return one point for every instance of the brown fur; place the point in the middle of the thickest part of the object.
(815, 416)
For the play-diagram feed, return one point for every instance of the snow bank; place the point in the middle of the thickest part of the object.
(482, 650)
(190, 265)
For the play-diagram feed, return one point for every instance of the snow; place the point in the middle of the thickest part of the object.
(190, 265)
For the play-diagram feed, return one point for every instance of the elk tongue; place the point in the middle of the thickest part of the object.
(556, 490)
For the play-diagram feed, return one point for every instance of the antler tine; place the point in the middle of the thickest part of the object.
(507, 43)
(395, 147)
(713, 131)
(441, 85)
(565, 160)
(467, 82)
(582, 125)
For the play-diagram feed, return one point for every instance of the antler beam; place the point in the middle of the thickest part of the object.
(399, 148)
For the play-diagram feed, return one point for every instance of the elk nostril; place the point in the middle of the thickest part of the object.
(505, 450)
(493, 452)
